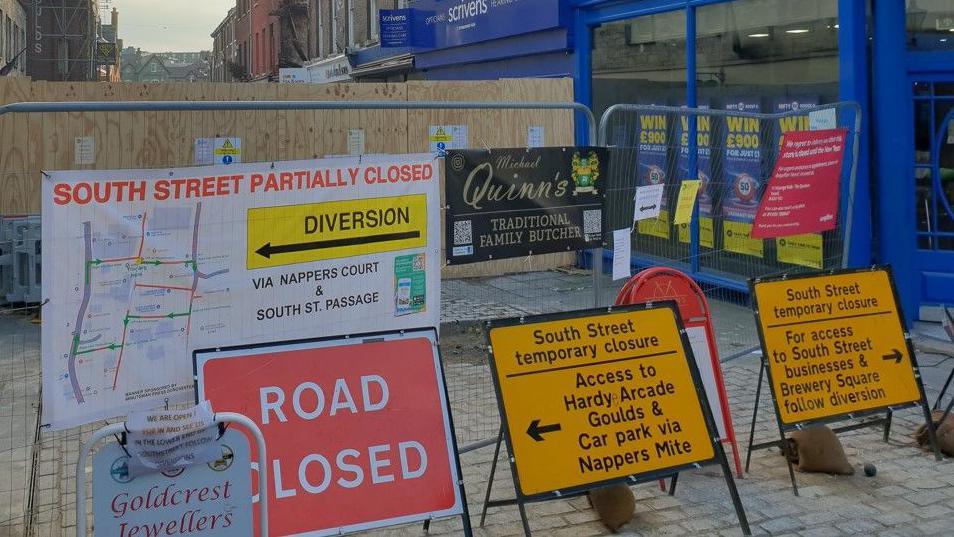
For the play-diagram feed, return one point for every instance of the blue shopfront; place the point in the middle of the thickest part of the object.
(494, 39)
(895, 58)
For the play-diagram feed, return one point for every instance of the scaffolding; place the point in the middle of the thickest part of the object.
(65, 34)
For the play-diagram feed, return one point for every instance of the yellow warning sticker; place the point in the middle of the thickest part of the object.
(834, 345)
(589, 399)
(706, 235)
(440, 135)
(290, 234)
(737, 237)
(805, 250)
(655, 227)
(227, 148)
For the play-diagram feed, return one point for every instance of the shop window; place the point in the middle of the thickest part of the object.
(773, 54)
(640, 61)
(930, 24)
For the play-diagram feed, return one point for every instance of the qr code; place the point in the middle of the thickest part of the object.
(463, 232)
(592, 222)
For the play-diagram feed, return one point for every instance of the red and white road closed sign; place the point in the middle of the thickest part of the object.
(357, 431)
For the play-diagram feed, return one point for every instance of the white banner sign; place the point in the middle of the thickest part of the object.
(171, 439)
(153, 264)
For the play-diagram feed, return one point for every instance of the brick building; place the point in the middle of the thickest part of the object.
(225, 52)
(62, 37)
(344, 42)
(277, 35)
(13, 24)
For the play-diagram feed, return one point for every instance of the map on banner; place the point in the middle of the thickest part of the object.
(152, 264)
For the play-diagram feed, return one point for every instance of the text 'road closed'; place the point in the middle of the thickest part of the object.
(357, 433)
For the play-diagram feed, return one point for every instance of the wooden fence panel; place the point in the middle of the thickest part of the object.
(30, 143)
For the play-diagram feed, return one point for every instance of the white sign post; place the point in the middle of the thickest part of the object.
(221, 487)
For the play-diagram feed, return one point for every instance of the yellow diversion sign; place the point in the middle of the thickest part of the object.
(598, 397)
(834, 344)
(289, 234)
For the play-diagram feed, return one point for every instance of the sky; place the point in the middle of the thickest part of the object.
(169, 25)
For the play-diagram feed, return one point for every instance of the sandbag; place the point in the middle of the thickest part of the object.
(817, 449)
(944, 431)
(615, 504)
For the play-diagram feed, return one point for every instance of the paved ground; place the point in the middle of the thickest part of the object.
(911, 495)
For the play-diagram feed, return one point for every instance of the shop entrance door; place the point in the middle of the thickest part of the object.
(934, 188)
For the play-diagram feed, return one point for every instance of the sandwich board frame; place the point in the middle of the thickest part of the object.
(887, 411)
(629, 295)
(429, 333)
(503, 436)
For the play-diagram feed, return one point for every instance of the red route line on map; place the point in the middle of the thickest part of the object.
(163, 287)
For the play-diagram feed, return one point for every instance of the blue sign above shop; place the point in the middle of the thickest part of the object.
(402, 28)
(453, 23)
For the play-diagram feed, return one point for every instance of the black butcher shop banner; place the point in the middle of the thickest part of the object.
(517, 202)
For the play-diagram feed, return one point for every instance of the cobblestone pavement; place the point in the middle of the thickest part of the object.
(912, 494)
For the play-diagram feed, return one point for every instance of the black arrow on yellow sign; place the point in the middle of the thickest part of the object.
(536, 431)
(268, 248)
(895, 355)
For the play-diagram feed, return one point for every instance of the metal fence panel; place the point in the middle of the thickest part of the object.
(37, 467)
(650, 144)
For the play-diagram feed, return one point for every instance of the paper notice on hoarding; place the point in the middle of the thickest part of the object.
(84, 150)
(355, 141)
(203, 151)
(622, 249)
(647, 201)
(686, 201)
(535, 136)
(164, 440)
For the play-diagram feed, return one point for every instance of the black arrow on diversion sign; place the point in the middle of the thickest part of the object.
(647, 208)
(268, 249)
(895, 355)
(535, 430)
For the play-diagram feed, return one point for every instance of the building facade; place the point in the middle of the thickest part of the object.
(894, 58)
(344, 43)
(529, 38)
(224, 61)
(13, 40)
(139, 66)
(277, 35)
(109, 49)
(62, 35)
